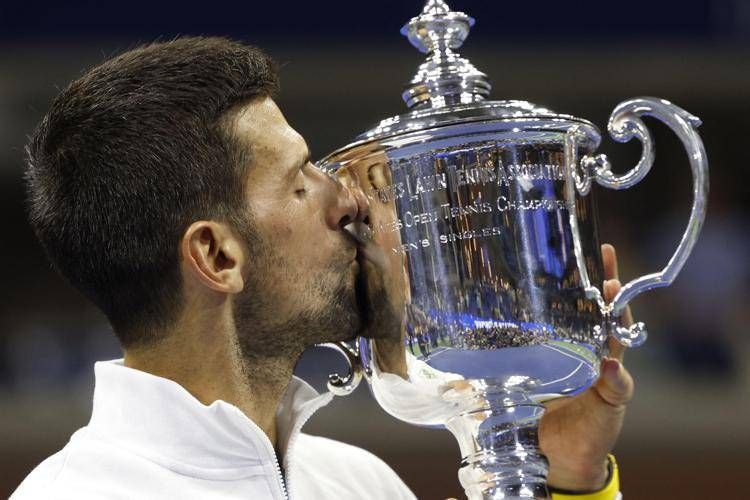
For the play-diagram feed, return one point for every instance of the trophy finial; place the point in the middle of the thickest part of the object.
(437, 27)
(435, 7)
(444, 78)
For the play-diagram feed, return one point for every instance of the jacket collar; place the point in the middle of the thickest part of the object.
(158, 419)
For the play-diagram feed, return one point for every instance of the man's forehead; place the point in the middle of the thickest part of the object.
(261, 126)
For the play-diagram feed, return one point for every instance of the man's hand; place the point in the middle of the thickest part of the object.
(577, 433)
(381, 300)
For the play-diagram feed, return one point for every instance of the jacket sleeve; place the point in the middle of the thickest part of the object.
(611, 490)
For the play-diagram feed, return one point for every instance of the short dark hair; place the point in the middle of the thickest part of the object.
(127, 157)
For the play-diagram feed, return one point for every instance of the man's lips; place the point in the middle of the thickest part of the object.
(367, 249)
(359, 232)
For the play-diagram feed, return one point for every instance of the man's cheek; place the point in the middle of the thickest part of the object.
(278, 230)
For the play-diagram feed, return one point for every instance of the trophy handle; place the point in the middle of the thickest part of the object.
(624, 124)
(343, 386)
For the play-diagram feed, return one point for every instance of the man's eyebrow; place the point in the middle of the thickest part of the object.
(299, 165)
(307, 156)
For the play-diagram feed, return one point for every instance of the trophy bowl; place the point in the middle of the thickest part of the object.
(486, 215)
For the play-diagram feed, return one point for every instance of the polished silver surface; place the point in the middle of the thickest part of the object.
(343, 386)
(445, 78)
(625, 123)
(485, 213)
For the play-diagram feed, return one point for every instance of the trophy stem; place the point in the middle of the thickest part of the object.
(497, 432)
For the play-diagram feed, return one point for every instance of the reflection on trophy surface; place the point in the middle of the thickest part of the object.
(487, 220)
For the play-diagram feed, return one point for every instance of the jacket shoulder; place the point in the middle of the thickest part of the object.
(39, 483)
(341, 465)
(86, 468)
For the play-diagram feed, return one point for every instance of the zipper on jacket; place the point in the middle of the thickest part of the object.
(280, 477)
(301, 421)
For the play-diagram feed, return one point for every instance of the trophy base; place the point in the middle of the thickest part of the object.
(497, 432)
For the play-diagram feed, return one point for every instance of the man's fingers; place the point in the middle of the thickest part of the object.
(611, 288)
(609, 257)
(616, 349)
(615, 385)
(612, 283)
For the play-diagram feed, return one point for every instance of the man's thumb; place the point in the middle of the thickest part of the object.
(615, 385)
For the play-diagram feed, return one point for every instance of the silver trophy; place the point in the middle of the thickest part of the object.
(486, 213)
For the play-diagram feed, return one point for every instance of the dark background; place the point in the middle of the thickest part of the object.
(344, 64)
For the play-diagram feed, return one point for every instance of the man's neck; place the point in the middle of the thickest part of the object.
(215, 370)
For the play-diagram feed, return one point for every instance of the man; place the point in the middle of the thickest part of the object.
(167, 187)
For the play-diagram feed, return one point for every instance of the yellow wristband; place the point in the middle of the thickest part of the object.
(609, 492)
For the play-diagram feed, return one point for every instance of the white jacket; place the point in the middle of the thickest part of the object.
(148, 438)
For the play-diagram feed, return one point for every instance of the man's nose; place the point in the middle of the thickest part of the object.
(351, 204)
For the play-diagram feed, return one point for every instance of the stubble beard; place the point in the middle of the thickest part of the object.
(328, 312)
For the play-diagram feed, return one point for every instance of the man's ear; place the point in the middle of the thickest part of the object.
(214, 255)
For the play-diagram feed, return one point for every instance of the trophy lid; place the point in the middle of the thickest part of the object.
(448, 89)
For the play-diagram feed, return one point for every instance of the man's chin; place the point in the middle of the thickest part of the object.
(346, 330)
(339, 321)
(340, 338)
(334, 336)
(343, 322)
